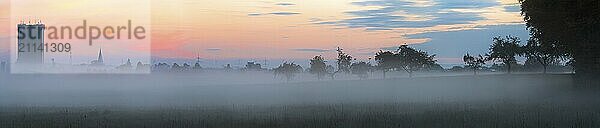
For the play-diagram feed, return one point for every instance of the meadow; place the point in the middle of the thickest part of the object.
(443, 115)
(180, 101)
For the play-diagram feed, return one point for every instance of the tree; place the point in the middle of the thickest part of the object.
(361, 69)
(544, 53)
(474, 62)
(386, 61)
(343, 61)
(186, 66)
(141, 67)
(161, 67)
(532, 64)
(330, 71)
(127, 66)
(288, 70)
(573, 24)
(413, 60)
(406, 58)
(318, 67)
(571, 63)
(434, 67)
(176, 67)
(505, 50)
(456, 69)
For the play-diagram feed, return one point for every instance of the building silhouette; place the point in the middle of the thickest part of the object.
(3, 67)
(30, 43)
(99, 61)
(251, 65)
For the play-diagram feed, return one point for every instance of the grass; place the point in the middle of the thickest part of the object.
(487, 101)
(443, 115)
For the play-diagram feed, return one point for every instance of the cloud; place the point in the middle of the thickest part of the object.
(274, 13)
(310, 50)
(327, 23)
(213, 49)
(284, 13)
(377, 29)
(391, 14)
(512, 8)
(271, 5)
(466, 4)
(312, 20)
(285, 4)
(255, 14)
(391, 48)
(320, 21)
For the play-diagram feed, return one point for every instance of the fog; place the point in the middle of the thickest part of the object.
(262, 88)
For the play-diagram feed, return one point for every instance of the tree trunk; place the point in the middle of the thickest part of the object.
(384, 74)
(320, 76)
(545, 68)
(474, 71)
(332, 75)
(508, 65)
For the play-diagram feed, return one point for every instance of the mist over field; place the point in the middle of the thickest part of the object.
(258, 100)
(300, 64)
(258, 88)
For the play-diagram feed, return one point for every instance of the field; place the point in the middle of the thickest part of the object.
(445, 115)
(259, 101)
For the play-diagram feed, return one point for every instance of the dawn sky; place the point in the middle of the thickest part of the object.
(305, 28)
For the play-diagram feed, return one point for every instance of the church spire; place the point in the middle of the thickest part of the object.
(100, 58)
(198, 58)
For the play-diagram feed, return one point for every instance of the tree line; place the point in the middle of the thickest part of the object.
(506, 49)
(503, 50)
(404, 58)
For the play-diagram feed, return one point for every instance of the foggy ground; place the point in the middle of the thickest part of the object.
(257, 100)
(181, 89)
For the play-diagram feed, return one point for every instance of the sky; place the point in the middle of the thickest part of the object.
(298, 29)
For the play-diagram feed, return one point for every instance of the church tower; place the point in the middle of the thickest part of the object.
(100, 58)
